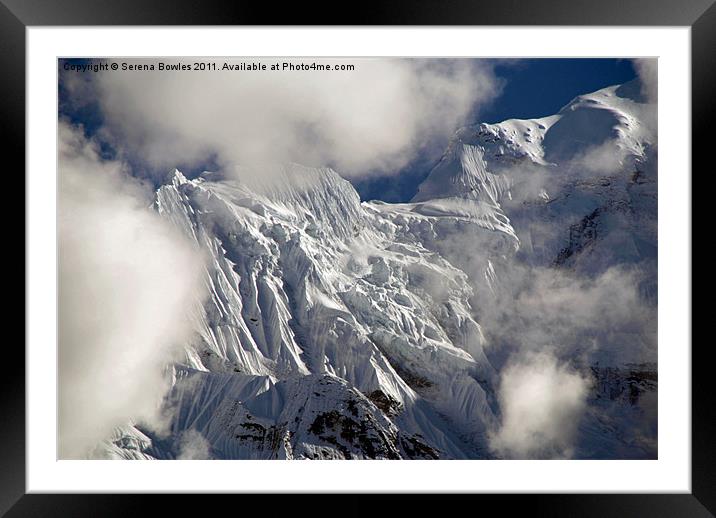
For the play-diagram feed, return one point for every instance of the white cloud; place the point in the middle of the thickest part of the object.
(647, 71)
(542, 402)
(597, 314)
(371, 120)
(602, 159)
(577, 314)
(127, 283)
(193, 446)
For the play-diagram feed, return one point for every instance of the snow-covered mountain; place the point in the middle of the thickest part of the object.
(336, 328)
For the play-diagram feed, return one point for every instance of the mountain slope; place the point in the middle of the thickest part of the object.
(339, 329)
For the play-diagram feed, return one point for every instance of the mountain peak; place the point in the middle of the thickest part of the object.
(178, 178)
(482, 159)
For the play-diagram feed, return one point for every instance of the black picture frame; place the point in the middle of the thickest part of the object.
(700, 15)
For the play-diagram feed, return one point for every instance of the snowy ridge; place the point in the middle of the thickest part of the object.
(306, 280)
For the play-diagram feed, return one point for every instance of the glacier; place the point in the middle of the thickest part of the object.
(336, 328)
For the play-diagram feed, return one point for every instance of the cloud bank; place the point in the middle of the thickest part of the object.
(372, 120)
(127, 285)
(580, 316)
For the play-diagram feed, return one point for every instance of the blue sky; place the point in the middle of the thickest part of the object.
(531, 88)
(540, 87)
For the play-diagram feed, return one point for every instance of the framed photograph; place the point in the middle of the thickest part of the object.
(437, 251)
